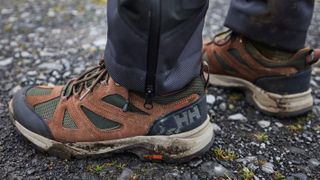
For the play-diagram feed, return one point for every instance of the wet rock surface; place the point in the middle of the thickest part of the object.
(48, 42)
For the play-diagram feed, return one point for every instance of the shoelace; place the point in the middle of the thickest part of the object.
(94, 75)
(314, 56)
(223, 38)
(205, 70)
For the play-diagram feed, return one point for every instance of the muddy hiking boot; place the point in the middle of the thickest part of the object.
(93, 115)
(277, 85)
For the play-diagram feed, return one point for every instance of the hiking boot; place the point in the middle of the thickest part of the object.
(93, 115)
(278, 86)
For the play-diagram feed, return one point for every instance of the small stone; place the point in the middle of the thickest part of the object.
(12, 176)
(56, 31)
(69, 41)
(268, 168)
(296, 150)
(6, 62)
(66, 74)
(8, 86)
(207, 167)
(223, 106)
(262, 145)
(89, 176)
(211, 99)
(51, 13)
(41, 76)
(66, 64)
(211, 112)
(126, 174)
(252, 166)
(314, 162)
(12, 19)
(41, 29)
(32, 73)
(299, 176)
(14, 90)
(264, 124)
(215, 170)
(52, 79)
(101, 42)
(216, 128)
(78, 70)
(278, 124)
(238, 117)
(248, 159)
(4, 41)
(172, 175)
(314, 83)
(56, 74)
(25, 54)
(34, 161)
(186, 175)
(31, 171)
(46, 54)
(72, 50)
(13, 44)
(24, 15)
(6, 11)
(86, 46)
(195, 177)
(51, 66)
(219, 170)
(195, 163)
(231, 107)
(317, 78)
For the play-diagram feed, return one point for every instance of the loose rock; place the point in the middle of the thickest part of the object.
(314, 162)
(238, 117)
(264, 124)
(210, 99)
(126, 174)
(6, 62)
(268, 168)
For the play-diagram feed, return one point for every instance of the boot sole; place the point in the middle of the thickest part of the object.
(177, 148)
(283, 106)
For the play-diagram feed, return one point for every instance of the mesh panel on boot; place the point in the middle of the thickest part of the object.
(68, 122)
(46, 110)
(120, 102)
(99, 121)
(36, 91)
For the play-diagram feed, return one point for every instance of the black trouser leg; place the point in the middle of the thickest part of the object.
(155, 44)
(279, 23)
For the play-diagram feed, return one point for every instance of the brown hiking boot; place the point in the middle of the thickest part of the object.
(279, 87)
(93, 115)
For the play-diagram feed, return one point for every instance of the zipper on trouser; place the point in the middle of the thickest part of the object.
(153, 51)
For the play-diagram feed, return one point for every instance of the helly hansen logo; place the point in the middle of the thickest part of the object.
(188, 117)
(182, 120)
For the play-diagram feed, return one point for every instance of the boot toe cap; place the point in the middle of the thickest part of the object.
(25, 115)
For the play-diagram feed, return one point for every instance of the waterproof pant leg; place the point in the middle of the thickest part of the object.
(279, 23)
(155, 46)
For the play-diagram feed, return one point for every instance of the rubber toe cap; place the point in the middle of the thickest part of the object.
(25, 115)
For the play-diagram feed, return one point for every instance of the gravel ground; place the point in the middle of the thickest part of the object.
(51, 41)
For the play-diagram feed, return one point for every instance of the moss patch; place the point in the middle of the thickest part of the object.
(224, 155)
